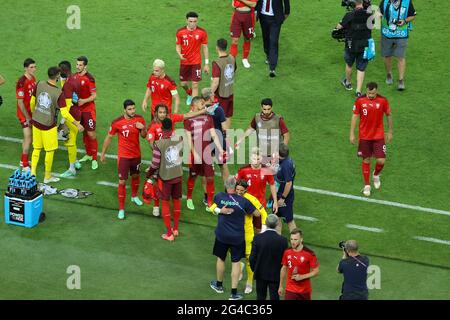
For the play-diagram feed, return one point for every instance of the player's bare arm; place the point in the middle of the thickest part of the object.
(145, 101)
(389, 133)
(286, 138)
(206, 56)
(352, 128)
(178, 48)
(256, 213)
(141, 127)
(91, 98)
(197, 158)
(215, 84)
(248, 132)
(24, 110)
(273, 192)
(216, 140)
(2, 80)
(248, 3)
(105, 147)
(193, 114)
(283, 275)
(176, 106)
(300, 277)
(287, 189)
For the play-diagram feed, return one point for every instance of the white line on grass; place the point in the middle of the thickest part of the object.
(312, 219)
(354, 226)
(306, 189)
(432, 240)
(7, 166)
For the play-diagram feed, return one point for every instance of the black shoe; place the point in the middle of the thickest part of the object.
(358, 94)
(347, 85)
(272, 74)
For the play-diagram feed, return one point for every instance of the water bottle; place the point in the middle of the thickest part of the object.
(11, 184)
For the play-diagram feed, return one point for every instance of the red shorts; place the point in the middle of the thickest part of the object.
(288, 295)
(126, 165)
(257, 222)
(242, 21)
(203, 169)
(372, 148)
(191, 72)
(170, 189)
(88, 120)
(227, 105)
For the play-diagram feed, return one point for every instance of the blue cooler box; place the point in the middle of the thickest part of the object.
(23, 211)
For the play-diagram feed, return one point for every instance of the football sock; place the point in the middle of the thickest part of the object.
(86, 144)
(94, 148)
(210, 191)
(122, 193)
(190, 186)
(246, 49)
(366, 173)
(205, 197)
(156, 203)
(72, 153)
(135, 182)
(34, 160)
(378, 168)
(234, 50)
(249, 271)
(166, 216)
(176, 213)
(49, 163)
(24, 160)
(188, 90)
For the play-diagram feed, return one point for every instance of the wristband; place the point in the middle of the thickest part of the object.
(206, 61)
(216, 210)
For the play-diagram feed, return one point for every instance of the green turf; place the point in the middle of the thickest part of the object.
(127, 259)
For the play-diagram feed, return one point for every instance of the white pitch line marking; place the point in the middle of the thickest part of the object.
(312, 219)
(7, 166)
(354, 226)
(432, 240)
(306, 189)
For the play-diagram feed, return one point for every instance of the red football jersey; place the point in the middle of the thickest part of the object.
(129, 146)
(73, 85)
(162, 91)
(201, 138)
(87, 87)
(300, 262)
(257, 179)
(371, 125)
(154, 132)
(191, 42)
(239, 4)
(24, 90)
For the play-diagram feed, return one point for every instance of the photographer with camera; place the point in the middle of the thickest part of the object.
(354, 268)
(395, 26)
(357, 34)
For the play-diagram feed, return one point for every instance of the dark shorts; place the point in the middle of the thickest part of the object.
(363, 295)
(220, 250)
(128, 165)
(297, 296)
(242, 22)
(88, 120)
(257, 222)
(191, 72)
(203, 169)
(287, 212)
(393, 47)
(227, 105)
(372, 148)
(169, 190)
(350, 58)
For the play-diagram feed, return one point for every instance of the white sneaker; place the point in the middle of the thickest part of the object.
(51, 179)
(248, 289)
(156, 211)
(246, 63)
(376, 181)
(61, 136)
(366, 190)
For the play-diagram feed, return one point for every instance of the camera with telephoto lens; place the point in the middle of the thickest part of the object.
(342, 244)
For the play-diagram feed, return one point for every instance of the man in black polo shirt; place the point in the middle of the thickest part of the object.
(354, 268)
(230, 235)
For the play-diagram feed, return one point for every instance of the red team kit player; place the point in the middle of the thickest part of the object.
(189, 41)
(129, 128)
(370, 108)
(24, 90)
(242, 21)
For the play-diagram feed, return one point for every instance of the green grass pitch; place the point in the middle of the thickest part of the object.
(127, 259)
